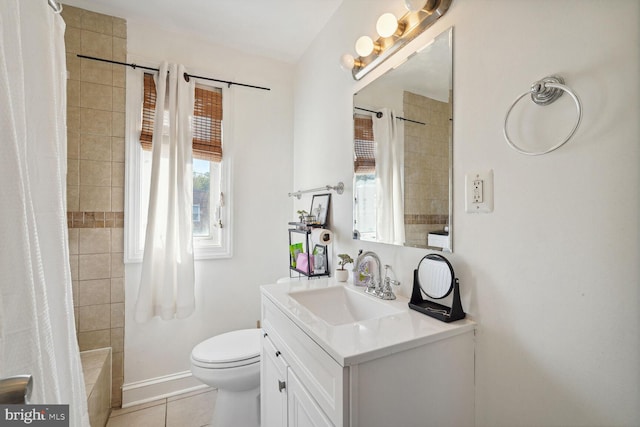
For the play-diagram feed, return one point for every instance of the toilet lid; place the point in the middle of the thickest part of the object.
(228, 348)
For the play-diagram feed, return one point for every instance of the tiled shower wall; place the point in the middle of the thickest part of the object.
(427, 160)
(95, 181)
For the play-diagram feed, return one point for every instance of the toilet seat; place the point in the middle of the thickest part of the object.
(228, 350)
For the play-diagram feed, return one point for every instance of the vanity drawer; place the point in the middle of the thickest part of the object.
(324, 378)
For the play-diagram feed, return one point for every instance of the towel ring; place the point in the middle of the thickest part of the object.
(544, 92)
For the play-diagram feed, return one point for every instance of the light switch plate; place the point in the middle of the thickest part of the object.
(479, 192)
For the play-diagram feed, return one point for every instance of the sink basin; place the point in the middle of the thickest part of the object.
(339, 305)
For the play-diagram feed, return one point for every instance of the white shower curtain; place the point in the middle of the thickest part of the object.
(37, 328)
(167, 283)
(389, 137)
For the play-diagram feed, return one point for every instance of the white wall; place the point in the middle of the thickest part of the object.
(551, 276)
(227, 291)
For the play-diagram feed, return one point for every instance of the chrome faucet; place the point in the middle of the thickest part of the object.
(376, 286)
(373, 283)
(386, 291)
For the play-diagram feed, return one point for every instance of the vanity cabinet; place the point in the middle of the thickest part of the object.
(284, 400)
(403, 369)
(426, 383)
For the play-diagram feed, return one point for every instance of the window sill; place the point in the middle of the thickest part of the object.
(200, 253)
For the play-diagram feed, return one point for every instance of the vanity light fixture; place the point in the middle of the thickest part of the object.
(394, 34)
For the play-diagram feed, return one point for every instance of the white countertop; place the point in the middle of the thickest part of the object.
(359, 342)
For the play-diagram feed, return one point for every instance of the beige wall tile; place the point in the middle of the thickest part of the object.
(94, 317)
(73, 198)
(117, 315)
(95, 121)
(73, 263)
(96, 44)
(117, 289)
(73, 66)
(95, 147)
(117, 240)
(116, 402)
(76, 315)
(118, 124)
(97, 22)
(73, 93)
(73, 172)
(117, 339)
(73, 144)
(73, 40)
(96, 72)
(119, 28)
(95, 173)
(119, 76)
(73, 241)
(117, 199)
(96, 96)
(75, 291)
(119, 49)
(72, 16)
(92, 292)
(117, 174)
(117, 149)
(118, 99)
(117, 365)
(94, 199)
(94, 339)
(117, 265)
(94, 241)
(73, 118)
(94, 266)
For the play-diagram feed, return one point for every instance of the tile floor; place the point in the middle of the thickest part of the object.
(193, 409)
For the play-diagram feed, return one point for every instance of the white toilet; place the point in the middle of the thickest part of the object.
(231, 363)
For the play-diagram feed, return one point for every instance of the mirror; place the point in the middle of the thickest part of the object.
(435, 278)
(403, 125)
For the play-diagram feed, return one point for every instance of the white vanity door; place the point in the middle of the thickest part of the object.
(303, 410)
(273, 387)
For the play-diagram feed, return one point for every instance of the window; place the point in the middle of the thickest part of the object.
(364, 186)
(212, 239)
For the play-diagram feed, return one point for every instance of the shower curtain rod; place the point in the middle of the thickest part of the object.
(56, 6)
(379, 114)
(186, 76)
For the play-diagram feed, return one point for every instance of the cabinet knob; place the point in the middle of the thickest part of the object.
(278, 353)
(281, 385)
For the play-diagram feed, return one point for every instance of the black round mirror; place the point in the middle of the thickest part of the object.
(435, 276)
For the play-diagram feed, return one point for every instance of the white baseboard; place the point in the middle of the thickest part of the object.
(159, 388)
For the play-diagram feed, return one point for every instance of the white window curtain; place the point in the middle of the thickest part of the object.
(389, 137)
(37, 327)
(167, 282)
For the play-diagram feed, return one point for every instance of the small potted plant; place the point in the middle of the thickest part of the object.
(341, 273)
(302, 214)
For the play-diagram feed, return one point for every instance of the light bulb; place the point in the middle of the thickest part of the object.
(347, 62)
(364, 46)
(414, 5)
(387, 25)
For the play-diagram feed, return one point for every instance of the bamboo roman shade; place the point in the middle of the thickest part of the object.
(364, 145)
(207, 120)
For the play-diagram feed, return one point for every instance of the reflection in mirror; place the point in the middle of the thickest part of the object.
(435, 277)
(402, 151)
